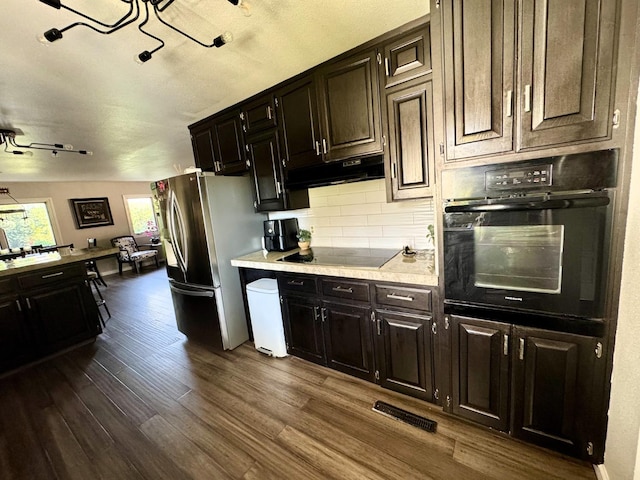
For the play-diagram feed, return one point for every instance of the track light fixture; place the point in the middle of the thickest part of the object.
(158, 6)
(8, 138)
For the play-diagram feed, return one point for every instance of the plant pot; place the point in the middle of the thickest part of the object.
(304, 245)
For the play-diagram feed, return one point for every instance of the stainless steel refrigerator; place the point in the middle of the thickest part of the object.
(205, 221)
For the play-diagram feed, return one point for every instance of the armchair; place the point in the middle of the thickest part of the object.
(129, 252)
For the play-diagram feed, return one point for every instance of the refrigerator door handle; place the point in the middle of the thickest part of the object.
(177, 220)
(192, 293)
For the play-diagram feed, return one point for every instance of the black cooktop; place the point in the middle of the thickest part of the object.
(343, 257)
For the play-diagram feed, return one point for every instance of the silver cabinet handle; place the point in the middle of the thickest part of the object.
(505, 345)
(379, 326)
(278, 189)
(295, 282)
(395, 296)
(509, 103)
(317, 148)
(323, 312)
(521, 349)
(316, 313)
(342, 289)
(527, 98)
(394, 170)
(269, 113)
(18, 305)
(57, 274)
(386, 66)
(28, 303)
(324, 146)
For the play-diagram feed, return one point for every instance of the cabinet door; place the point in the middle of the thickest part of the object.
(403, 345)
(202, 141)
(16, 343)
(350, 105)
(303, 328)
(552, 377)
(479, 43)
(567, 63)
(63, 316)
(480, 367)
(299, 124)
(264, 159)
(411, 149)
(259, 115)
(407, 57)
(348, 341)
(229, 144)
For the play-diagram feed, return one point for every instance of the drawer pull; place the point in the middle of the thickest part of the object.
(57, 274)
(295, 283)
(342, 289)
(395, 296)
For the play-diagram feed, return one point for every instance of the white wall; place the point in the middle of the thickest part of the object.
(623, 436)
(358, 215)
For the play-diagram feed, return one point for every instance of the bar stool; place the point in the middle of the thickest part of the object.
(93, 267)
(101, 302)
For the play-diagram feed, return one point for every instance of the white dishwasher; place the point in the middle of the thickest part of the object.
(266, 317)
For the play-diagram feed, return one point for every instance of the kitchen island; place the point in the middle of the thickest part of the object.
(46, 305)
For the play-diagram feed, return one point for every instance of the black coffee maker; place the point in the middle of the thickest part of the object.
(280, 235)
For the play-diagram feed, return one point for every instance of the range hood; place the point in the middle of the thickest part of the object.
(333, 173)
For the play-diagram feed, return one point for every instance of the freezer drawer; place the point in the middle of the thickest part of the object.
(197, 313)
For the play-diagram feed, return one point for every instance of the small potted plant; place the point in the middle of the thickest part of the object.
(304, 239)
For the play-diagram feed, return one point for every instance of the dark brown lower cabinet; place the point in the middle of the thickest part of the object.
(480, 367)
(403, 347)
(552, 378)
(303, 328)
(17, 345)
(536, 384)
(347, 334)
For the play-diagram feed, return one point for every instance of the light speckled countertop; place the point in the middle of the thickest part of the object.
(53, 259)
(399, 269)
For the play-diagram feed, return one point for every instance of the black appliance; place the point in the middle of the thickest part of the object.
(344, 257)
(332, 173)
(532, 239)
(280, 235)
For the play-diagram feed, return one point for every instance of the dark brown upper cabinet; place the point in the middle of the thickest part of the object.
(410, 152)
(258, 115)
(299, 124)
(407, 57)
(264, 159)
(560, 93)
(218, 144)
(350, 107)
(567, 68)
(479, 76)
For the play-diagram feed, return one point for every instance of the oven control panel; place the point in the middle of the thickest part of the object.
(518, 178)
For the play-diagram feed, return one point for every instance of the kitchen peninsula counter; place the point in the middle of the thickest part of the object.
(399, 269)
(51, 260)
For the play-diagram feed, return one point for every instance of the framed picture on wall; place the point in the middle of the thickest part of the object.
(91, 212)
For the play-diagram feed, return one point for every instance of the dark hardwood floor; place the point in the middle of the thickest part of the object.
(142, 402)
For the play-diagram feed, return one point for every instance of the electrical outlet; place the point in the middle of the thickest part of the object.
(312, 229)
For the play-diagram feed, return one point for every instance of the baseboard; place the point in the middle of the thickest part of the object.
(601, 471)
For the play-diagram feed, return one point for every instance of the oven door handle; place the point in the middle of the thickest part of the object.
(553, 204)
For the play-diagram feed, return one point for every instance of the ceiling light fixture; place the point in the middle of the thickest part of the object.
(131, 16)
(19, 209)
(8, 138)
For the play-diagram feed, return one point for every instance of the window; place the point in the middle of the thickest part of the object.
(142, 219)
(35, 229)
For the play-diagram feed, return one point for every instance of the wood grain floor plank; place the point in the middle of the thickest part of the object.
(231, 458)
(187, 455)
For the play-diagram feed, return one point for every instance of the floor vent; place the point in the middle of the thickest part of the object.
(404, 416)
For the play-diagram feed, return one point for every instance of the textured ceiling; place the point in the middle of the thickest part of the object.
(86, 89)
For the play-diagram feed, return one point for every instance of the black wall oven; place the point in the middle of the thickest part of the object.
(531, 240)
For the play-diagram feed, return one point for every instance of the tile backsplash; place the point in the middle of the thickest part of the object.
(358, 215)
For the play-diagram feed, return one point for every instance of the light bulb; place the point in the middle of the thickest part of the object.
(27, 153)
(143, 57)
(223, 39)
(85, 152)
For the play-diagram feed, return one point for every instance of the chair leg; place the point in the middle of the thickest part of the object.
(120, 268)
(156, 259)
(137, 265)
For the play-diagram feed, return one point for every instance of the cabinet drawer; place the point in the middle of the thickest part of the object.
(297, 283)
(406, 297)
(52, 275)
(7, 285)
(345, 289)
(258, 115)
